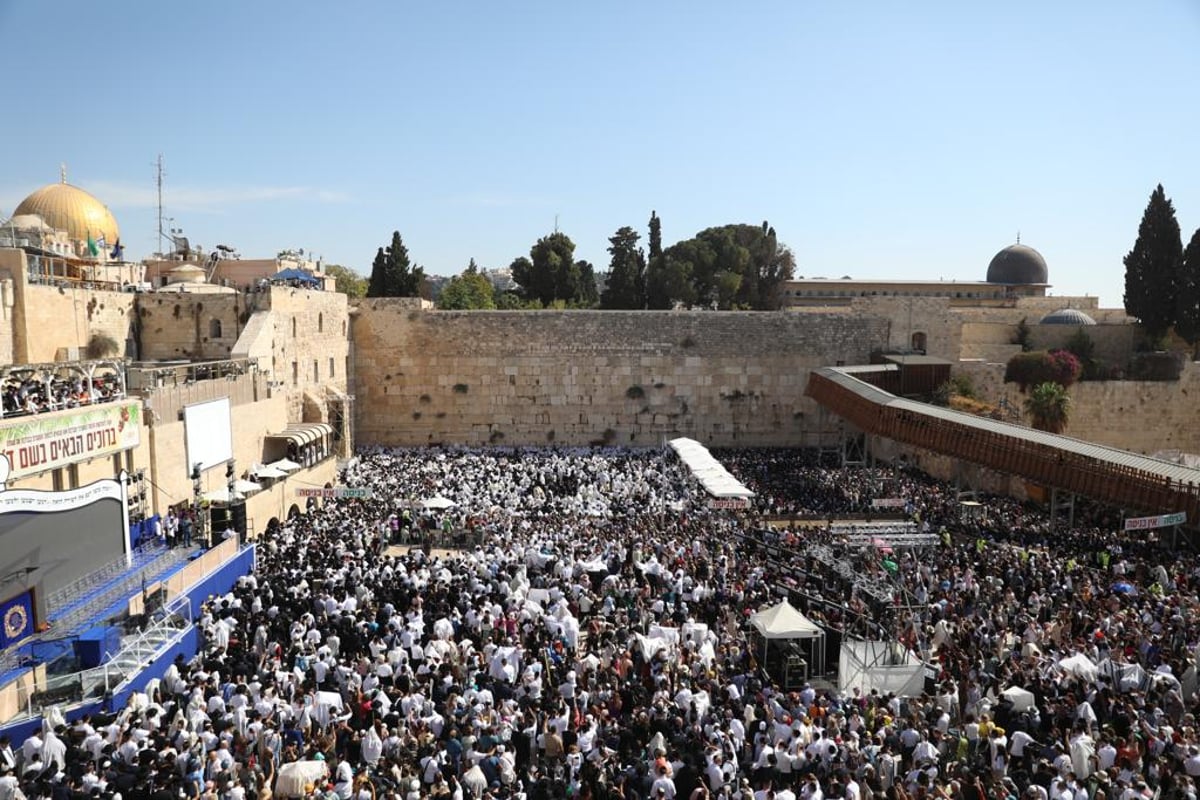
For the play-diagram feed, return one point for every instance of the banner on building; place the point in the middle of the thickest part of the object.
(729, 502)
(42, 442)
(16, 619)
(889, 502)
(35, 500)
(1161, 521)
(336, 493)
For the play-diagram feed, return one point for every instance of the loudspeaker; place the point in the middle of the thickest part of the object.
(238, 515)
(218, 518)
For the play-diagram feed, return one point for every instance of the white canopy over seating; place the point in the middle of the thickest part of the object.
(715, 479)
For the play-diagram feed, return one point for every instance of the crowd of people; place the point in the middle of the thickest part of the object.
(28, 394)
(593, 642)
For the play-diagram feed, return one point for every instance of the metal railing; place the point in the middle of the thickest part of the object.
(167, 627)
(146, 378)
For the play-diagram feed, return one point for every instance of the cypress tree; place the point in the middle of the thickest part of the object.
(1152, 267)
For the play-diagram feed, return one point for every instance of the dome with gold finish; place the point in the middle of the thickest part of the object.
(68, 208)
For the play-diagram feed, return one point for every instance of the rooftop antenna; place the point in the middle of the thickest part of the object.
(62, 171)
(159, 173)
(1018, 237)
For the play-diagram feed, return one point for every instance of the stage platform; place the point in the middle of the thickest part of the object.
(93, 600)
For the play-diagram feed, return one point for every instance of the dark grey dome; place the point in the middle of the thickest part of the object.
(1018, 264)
(1067, 316)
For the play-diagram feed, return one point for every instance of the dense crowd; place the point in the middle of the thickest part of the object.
(29, 395)
(595, 643)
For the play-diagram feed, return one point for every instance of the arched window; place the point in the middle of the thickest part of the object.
(293, 327)
(214, 329)
(320, 323)
(918, 342)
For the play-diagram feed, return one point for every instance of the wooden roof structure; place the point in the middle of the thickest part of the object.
(1108, 474)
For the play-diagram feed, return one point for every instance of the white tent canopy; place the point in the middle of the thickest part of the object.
(883, 666)
(285, 465)
(715, 479)
(782, 622)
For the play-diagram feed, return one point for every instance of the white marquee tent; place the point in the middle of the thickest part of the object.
(886, 666)
(715, 479)
(783, 622)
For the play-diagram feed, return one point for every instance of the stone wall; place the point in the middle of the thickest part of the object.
(1113, 344)
(1141, 416)
(911, 320)
(580, 377)
(192, 327)
(310, 351)
(46, 321)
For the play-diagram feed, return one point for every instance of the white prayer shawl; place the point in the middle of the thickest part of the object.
(372, 747)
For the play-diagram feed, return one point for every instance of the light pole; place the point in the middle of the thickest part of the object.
(197, 508)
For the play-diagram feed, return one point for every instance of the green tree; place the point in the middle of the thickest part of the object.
(469, 291)
(393, 274)
(1049, 407)
(349, 282)
(586, 295)
(626, 272)
(552, 275)
(1187, 294)
(733, 266)
(659, 286)
(1152, 267)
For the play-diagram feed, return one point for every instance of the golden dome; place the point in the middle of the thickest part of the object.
(68, 208)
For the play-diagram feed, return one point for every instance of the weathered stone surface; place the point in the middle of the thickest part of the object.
(579, 377)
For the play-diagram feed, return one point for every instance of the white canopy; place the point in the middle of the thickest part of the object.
(285, 465)
(268, 471)
(220, 496)
(880, 666)
(437, 501)
(715, 479)
(245, 487)
(1022, 699)
(784, 622)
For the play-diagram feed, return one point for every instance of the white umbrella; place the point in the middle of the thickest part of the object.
(285, 465)
(245, 487)
(268, 471)
(220, 496)
(437, 501)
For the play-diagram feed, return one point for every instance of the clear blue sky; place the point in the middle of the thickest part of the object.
(881, 139)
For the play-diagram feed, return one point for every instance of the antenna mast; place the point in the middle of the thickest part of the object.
(159, 182)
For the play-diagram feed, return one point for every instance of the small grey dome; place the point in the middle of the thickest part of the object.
(1018, 264)
(1067, 316)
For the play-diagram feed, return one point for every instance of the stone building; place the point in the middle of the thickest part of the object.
(267, 363)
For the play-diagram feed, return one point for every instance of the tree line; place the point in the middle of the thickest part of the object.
(735, 266)
(1162, 277)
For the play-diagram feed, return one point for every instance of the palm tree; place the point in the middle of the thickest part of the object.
(1049, 407)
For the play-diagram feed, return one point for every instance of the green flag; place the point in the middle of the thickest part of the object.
(93, 250)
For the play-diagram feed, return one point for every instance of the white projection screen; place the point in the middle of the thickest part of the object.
(207, 432)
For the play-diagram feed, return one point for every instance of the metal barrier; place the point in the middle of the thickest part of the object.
(98, 682)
